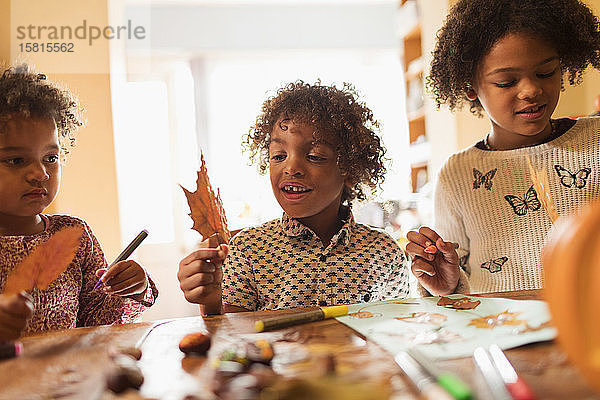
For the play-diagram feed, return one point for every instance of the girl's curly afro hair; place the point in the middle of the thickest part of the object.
(333, 113)
(472, 27)
(28, 94)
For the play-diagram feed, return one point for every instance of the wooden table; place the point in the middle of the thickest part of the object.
(72, 364)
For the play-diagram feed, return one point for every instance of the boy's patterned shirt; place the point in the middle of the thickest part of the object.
(71, 300)
(283, 264)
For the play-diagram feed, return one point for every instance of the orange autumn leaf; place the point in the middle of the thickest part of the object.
(45, 263)
(206, 209)
(362, 314)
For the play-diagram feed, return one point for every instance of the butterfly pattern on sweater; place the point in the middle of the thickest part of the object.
(569, 179)
(494, 265)
(521, 205)
(483, 179)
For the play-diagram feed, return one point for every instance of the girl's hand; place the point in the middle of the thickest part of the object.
(15, 310)
(200, 275)
(438, 272)
(125, 278)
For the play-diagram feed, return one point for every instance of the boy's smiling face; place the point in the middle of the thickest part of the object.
(29, 167)
(305, 177)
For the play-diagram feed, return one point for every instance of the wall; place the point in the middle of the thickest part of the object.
(88, 188)
(579, 100)
(4, 30)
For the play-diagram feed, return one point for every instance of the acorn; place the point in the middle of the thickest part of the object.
(124, 375)
(195, 343)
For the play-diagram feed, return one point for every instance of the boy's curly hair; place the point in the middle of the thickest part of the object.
(472, 27)
(28, 94)
(332, 112)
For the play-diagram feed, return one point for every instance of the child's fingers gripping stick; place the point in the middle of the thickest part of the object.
(444, 247)
(447, 250)
(421, 243)
(125, 278)
(421, 267)
(200, 273)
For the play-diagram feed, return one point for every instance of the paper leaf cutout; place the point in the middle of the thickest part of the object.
(463, 303)
(362, 314)
(437, 335)
(542, 187)
(206, 209)
(424, 318)
(500, 319)
(529, 328)
(45, 263)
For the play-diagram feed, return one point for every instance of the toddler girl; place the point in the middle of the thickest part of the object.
(37, 123)
(319, 145)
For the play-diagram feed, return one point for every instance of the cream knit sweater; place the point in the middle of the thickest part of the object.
(484, 200)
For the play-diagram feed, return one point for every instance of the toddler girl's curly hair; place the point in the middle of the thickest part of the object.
(27, 94)
(333, 113)
(472, 27)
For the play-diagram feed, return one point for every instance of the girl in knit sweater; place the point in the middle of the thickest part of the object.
(509, 58)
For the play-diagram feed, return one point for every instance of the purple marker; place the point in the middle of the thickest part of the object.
(124, 254)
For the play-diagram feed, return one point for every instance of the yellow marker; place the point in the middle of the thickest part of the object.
(300, 318)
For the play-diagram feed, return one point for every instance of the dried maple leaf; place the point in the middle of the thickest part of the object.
(463, 303)
(494, 320)
(206, 209)
(45, 263)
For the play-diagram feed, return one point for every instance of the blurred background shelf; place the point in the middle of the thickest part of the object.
(413, 62)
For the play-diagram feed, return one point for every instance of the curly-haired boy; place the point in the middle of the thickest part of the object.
(320, 147)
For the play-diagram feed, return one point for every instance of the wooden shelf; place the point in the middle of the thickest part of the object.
(416, 128)
(411, 47)
(418, 176)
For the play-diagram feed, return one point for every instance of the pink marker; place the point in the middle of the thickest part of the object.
(517, 387)
(10, 350)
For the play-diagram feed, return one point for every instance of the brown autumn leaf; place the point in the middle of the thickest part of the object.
(206, 209)
(463, 303)
(45, 263)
